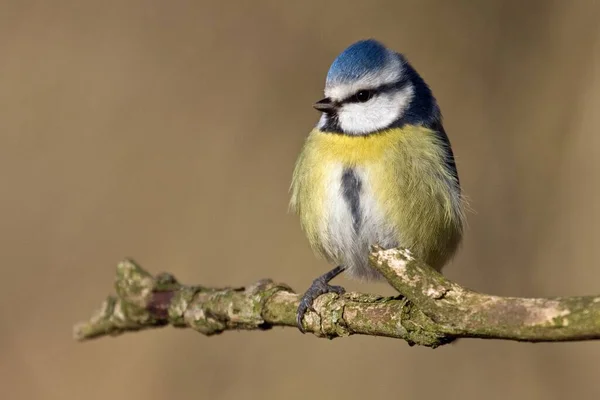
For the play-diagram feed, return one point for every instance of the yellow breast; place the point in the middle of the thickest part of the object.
(352, 150)
(407, 175)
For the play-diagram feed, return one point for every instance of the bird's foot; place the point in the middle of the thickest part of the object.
(319, 286)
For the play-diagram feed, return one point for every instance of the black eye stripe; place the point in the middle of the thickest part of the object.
(389, 87)
(361, 96)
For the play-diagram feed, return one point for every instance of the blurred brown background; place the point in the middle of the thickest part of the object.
(167, 131)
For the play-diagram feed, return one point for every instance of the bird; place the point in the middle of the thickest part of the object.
(377, 169)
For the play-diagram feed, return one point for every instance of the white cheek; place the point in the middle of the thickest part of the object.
(376, 114)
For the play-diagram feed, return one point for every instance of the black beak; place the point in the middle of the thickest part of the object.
(325, 105)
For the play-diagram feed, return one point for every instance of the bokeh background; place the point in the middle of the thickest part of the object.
(167, 131)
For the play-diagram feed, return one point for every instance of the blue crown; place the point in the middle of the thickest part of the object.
(358, 60)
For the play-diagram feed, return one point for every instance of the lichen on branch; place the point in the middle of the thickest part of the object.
(431, 310)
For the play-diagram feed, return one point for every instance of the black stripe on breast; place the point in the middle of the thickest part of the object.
(351, 187)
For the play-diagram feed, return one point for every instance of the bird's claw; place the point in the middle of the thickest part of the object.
(318, 287)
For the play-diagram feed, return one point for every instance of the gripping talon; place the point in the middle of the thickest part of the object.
(319, 286)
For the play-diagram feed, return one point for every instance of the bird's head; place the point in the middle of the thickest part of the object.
(370, 88)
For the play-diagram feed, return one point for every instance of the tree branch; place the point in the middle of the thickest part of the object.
(432, 310)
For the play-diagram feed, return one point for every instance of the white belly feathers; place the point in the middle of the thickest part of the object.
(354, 220)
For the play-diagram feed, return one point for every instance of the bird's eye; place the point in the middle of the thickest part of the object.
(363, 96)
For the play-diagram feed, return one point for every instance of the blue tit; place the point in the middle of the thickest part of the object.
(377, 169)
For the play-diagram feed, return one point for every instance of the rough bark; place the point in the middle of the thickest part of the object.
(431, 310)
